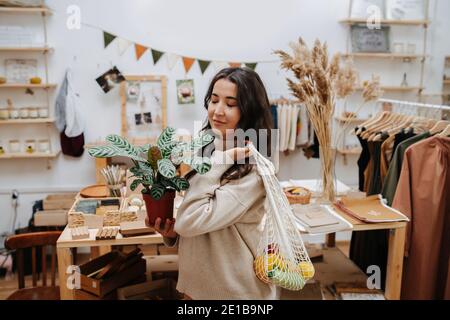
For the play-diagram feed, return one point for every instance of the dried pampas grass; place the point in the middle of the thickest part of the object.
(315, 87)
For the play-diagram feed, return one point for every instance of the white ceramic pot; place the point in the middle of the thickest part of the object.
(24, 113)
(33, 113)
(14, 114)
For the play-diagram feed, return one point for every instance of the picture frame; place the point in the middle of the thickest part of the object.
(185, 91)
(20, 70)
(370, 40)
(360, 8)
(110, 79)
(406, 9)
(144, 112)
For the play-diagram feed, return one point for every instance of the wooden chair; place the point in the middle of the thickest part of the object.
(36, 240)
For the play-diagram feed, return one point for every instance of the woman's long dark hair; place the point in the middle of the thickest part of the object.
(254, 107)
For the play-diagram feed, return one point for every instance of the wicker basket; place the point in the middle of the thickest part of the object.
(298, 195)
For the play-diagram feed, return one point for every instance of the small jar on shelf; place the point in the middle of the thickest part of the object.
(24, 113)
(30, 146)
(14, 146)
(14, 114)
(43, 112)
(4, 114)
(44, 146)
(33, 113)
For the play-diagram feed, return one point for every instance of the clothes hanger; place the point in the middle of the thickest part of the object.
(439, 127)
(446, 132)
(374, 119)
(383, 123)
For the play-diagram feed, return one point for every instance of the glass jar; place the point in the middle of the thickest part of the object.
(30, 146)
(14, 146)
(44, 146)
(4, 114)
(33, 113)
(43, 112)
(24, 113)
(14, 114)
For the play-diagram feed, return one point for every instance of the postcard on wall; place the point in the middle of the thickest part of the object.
(405, 9)
(367, 8)
(110, 79)
(185, 91)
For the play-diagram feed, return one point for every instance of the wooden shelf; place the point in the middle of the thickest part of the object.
(397, 88)
(27, 121)
(35, 155)
(27, 86)
(26, 10)
(26, 49)
(353, 21)
(383, 55)
(353, 120)
(349, 151)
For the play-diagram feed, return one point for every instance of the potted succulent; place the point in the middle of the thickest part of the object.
(155, 167)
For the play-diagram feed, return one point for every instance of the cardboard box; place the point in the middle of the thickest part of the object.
(102, 287)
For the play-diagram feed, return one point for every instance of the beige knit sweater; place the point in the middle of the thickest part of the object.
(219, 228)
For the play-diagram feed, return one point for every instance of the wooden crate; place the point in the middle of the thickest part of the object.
(102, 287)
(164, 289)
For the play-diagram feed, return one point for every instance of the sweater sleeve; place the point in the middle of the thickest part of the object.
(209, 206)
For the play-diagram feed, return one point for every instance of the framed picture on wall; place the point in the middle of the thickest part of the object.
(185, 91)
(370, 40)
(406, 9)
(363, 8)
(144, 108)
(20, 70)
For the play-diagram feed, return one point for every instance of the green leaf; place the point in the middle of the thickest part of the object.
(112, 151)
(122, 143)
(157, 191)
(168, 183)
(135, 184)
(166, 168)
(154, 155)
(104, 152)
(201, 165)
(182, 150)
(143, 149)
(166, 138)
(181, 183)
(202, 141)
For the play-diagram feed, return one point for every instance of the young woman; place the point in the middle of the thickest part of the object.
(219, 223)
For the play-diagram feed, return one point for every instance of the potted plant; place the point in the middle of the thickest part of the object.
(155, 167)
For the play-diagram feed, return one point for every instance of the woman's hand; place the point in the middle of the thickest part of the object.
(167, 231)
(239, 153)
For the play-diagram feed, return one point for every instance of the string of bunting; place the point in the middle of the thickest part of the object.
(172, 58)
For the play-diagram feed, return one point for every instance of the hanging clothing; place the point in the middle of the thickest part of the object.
(393, 174)
(302, 129)
(273, 111)
(293, 127)
(387, 150)
(363, 160)
(423, 194)
(370, 247)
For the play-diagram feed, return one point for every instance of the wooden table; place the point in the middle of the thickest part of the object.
(65, 258)
(394, 263)
(396, 250)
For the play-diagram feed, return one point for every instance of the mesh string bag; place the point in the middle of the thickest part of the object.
(281, 258)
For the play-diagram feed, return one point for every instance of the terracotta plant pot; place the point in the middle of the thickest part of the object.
(162, 208)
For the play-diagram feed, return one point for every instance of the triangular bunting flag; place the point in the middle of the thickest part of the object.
(156, 55)
(108, 38)
(219, 65)
(188, 62)
(140, 50)
(123, 45)
(251, 65)
(203, 65)
(172, 59)
(234, 64)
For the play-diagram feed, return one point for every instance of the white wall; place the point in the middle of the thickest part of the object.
(229, 31)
